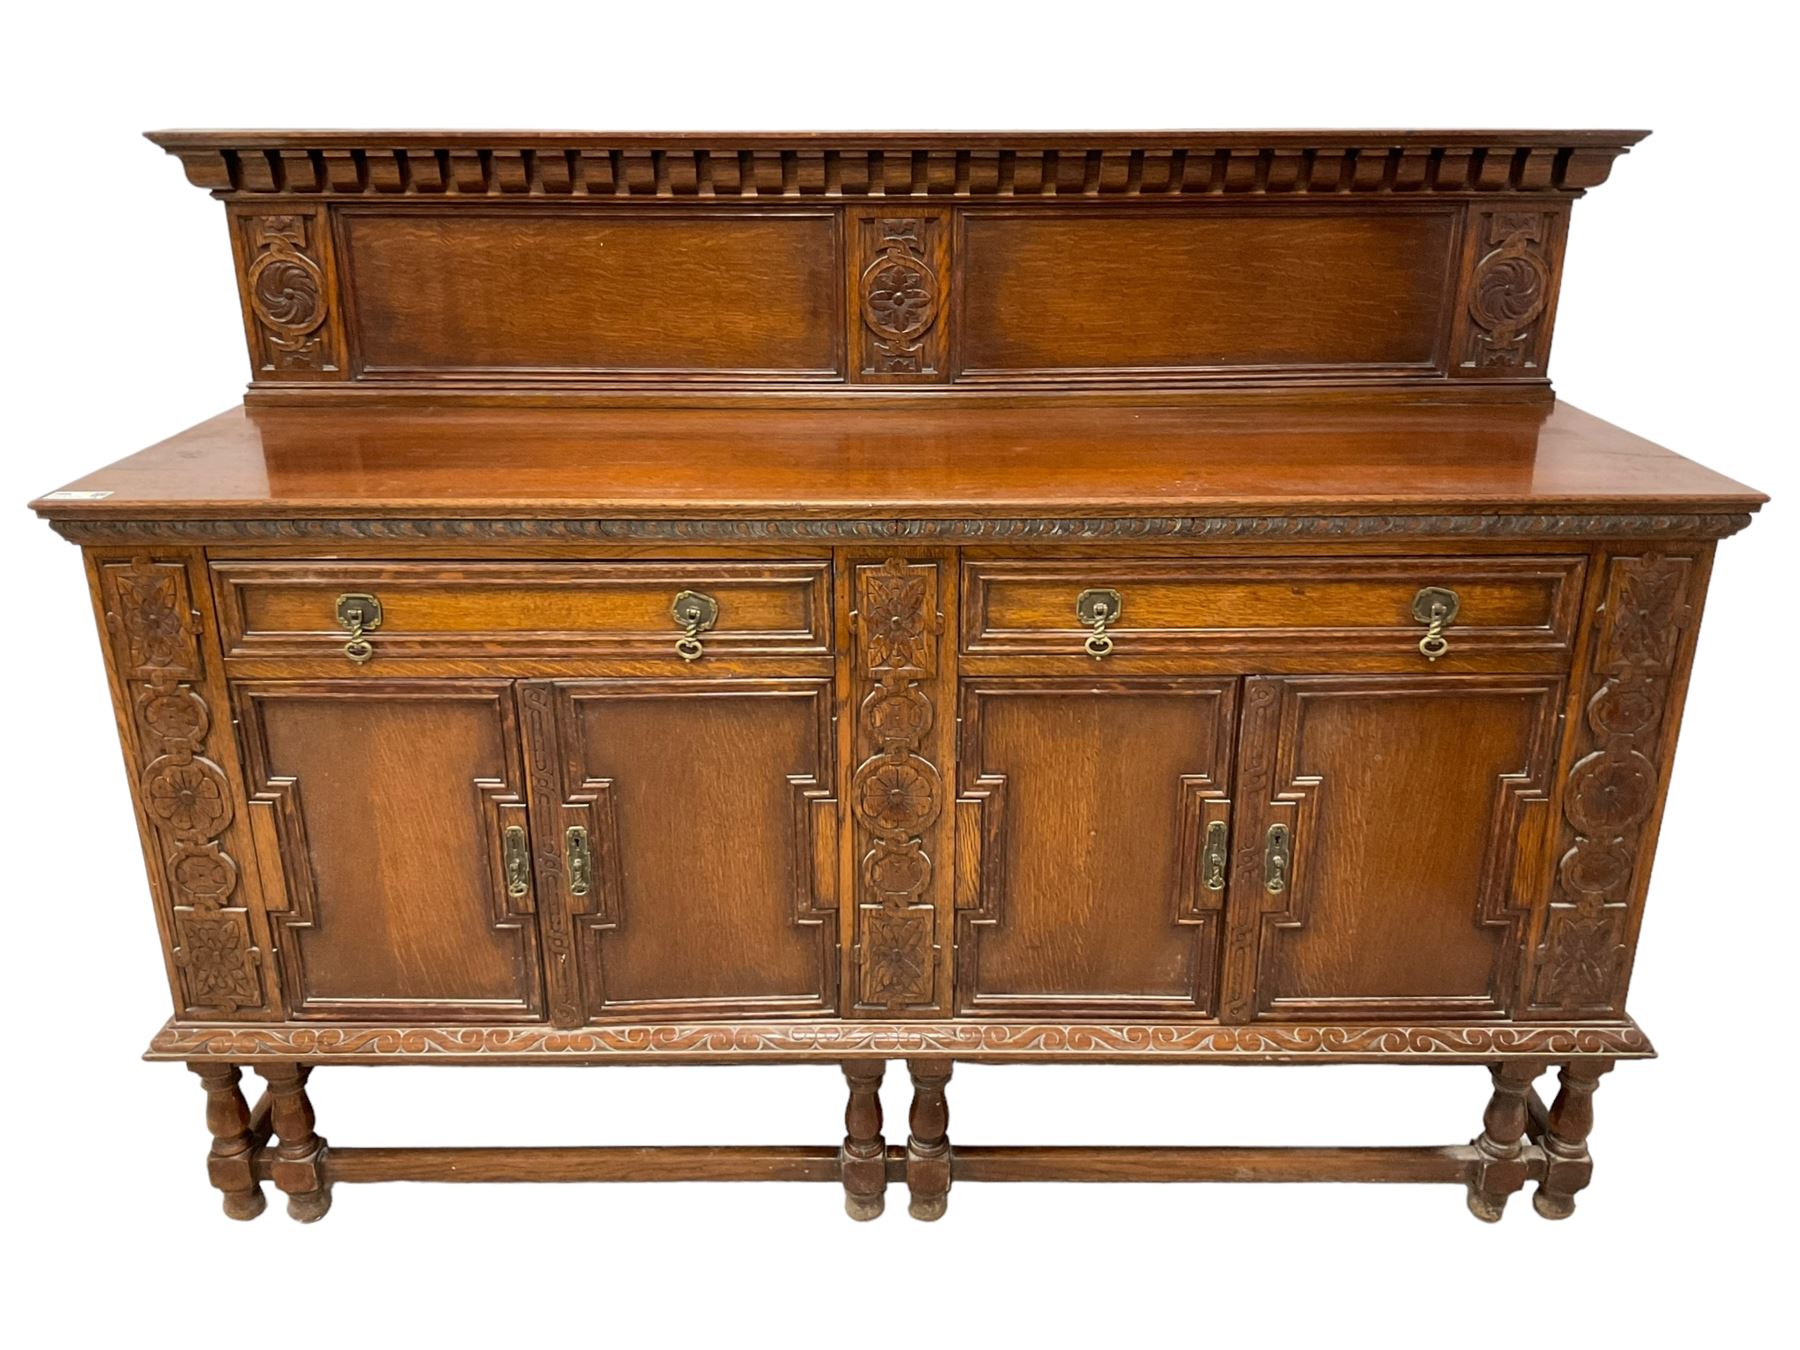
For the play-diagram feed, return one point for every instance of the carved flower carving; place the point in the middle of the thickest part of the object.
(896, 957)
(186, 798)
(155, 628)
(1582, 952)
(898, 795)
(216, 958)
(893, 617)
(899, 297)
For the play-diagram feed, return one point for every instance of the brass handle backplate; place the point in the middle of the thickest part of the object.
(1435, 607)
(360, 614)
(580, 859)
(1212, 871)
(1098, 608)
(696, 612)
(516, 853)
(1278, 857)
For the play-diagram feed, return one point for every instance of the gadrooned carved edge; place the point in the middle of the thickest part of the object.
(1695, 526)
(1170, 1042)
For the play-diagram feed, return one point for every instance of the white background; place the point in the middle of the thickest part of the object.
(121, 326)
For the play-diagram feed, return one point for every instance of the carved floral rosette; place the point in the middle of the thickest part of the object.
(899, 293)
(896, 793)
(286, 292)
(184, 795)
(1510, 290)
(1612, 788)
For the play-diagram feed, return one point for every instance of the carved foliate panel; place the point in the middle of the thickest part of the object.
(289, 292)
(897, 791)
(1614, 782)
(899, 291)
(1511, 260)
(185, 795)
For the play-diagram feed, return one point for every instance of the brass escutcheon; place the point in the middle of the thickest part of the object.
(696, 612)
(1435, 607)
(1097, 608)
(359, 613)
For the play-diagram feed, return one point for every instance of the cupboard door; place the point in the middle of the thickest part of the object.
(698, 844)
(1390, 831)
(1091, 845)
(393, 816)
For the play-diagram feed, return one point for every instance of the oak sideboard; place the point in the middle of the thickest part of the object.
(1015, 598)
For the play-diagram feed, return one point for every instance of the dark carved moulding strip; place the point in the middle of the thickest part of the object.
(99, 530)
(836, 1040)
(1007, 167)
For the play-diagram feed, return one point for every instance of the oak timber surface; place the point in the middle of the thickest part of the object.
(913, 463)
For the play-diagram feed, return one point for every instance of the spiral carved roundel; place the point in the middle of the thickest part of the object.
(287, 291)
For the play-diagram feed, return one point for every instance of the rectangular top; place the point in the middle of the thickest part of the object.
(925, 463)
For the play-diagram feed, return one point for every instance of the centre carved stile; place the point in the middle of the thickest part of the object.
(897, 793)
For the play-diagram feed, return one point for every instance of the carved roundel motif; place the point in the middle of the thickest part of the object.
(187, 796)
(203, 876)
(898, 714)
(1607, 793)
(899, 295)
(174, 714)
(287, 291)
(1595, 869)
(1510, 289)
(1624, 709)
(896, 795)
(899, 873)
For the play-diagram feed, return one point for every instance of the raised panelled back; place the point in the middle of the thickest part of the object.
(712, 830)
(383, 808)
(539, 291)
(1417, 810)
(1049, 292)
(1081, 823)
(620, 268)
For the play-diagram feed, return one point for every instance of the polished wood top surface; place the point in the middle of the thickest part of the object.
(1271, 458)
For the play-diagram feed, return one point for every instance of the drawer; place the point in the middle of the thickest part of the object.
(1217, 606)
(437, 609)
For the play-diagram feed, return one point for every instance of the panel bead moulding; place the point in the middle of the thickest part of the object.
(889, 165)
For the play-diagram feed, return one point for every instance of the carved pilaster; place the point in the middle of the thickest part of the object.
(1614, 783)
(186, 794)
(1511, 261)
(897, 791)
(286, 276)
(900, 291)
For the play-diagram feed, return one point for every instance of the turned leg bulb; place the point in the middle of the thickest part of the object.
(928, 1143)
(231, 1163)
(1569, 1167)
(864, 1154)
(1501, 1169)
(299, 1163)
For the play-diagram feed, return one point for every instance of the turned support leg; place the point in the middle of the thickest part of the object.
(928, 1143)
(1502, 1169)
(299, 1163)
(1569, 1167)
(230, 1165)
(863, 1158)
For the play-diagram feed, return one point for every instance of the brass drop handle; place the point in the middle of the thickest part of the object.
(516, 855)
(1435, 607)
(1212, 863)
(1097, 608)
(580, 859)
(696, 612)
(360, 614)
(1278, 857)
